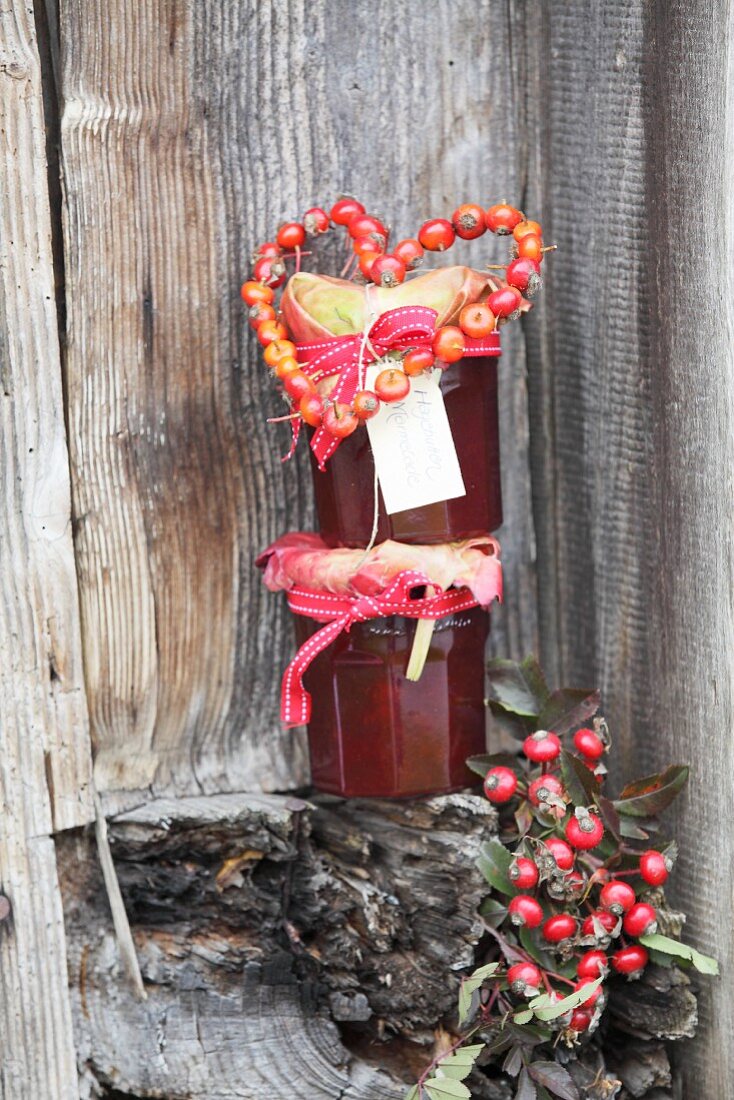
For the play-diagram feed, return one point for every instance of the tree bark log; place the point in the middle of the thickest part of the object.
(260, 922)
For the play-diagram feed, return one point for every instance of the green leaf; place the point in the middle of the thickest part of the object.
(459, 1064)
(470, 985)
(555, 1078)
(513, 1061)
(704, 963)
(493, 911)
(520, 688)
(412, 1094)
(482, 764)
(509, 722)
(525, 1087)
(442, 1087)
(568, 709)
(494, 862)
(609, 815)
(524, 818)
(573, 1000)
(651, 795)
(581, 786)
(631, 830)
(524, 1016)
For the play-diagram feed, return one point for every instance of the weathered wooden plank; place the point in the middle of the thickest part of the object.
(592, 492)
(45, 762)
(631, 413)
(690, 188)
(172, 494)
(189, 131)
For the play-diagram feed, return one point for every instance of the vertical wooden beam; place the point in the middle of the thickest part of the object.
(690, 189)
(45, 759)
(631, 409)
(590, 410)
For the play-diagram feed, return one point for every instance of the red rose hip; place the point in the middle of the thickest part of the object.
(363, 224)
(617, 897)
(589, 743)
(500, 784)
(592, 965)
(607, 920)
(560, 927)
(344, 210)
(502, 219)
(584, 830)
(291, 235)
(580, 1019)
(477, 320)
(562, 854)
(524, 873)
(366, 404)
(541, 747)
(436, 235)
(630, 960)
(448, 343)
(541, 788)
(640, 920)
(523, 976)
(410, 251)
(417, 361)
(315, 221)
(298, 385)
(654, 867)
(311, 408)
(504, 302)
(392, 384)
(387, 271)
(468, 221)
(524, 275)
(525, 911)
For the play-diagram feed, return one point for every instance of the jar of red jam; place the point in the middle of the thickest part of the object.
(345, 490)
(373, 732)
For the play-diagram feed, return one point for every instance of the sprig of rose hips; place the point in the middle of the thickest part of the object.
(369, 241)
(578, 904)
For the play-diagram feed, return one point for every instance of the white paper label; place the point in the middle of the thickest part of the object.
(413, 447)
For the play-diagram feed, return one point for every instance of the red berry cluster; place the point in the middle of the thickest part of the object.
(369, 238)
(585, 905)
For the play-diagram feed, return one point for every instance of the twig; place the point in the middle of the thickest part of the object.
(117, 905)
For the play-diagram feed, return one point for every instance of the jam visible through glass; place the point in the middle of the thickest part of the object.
(345, 491)
(372, 732)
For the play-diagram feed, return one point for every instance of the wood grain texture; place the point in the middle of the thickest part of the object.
(45, 761)
(590, 396)
(263, 924)
(631, 404)
(690, 191)
(187, 135)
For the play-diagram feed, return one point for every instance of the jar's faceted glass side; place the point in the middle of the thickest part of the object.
(374, 733)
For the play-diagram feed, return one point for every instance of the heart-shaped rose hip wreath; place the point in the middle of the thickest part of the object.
(490, 301)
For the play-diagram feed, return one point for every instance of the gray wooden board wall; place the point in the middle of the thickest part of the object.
(188, 129)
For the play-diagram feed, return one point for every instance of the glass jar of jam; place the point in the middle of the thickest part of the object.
(345, 490)
(373, 732)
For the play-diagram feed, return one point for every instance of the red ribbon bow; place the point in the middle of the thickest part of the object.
(339, 612)
(349, 356)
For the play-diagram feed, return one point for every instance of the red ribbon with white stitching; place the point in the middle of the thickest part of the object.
(339, 612)
(348, 356)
